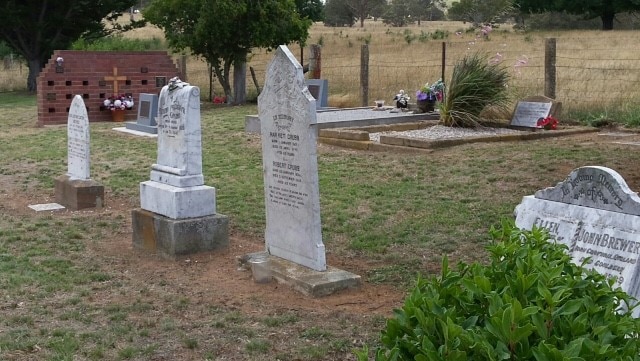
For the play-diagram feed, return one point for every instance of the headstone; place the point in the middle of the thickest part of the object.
(292, 195)
(147, 112)
(76, 190)
(178, 212)
(530, 109)
(293, 234)
(319, 89)
(595, 214)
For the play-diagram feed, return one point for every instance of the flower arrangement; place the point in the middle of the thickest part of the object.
(548, 123)
(122, 101)
(433, 92)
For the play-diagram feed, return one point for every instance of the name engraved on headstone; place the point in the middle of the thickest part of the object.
(595, 214)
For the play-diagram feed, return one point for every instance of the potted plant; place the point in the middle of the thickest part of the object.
(118, 105)
(427, 95)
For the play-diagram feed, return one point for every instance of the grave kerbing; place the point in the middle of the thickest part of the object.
(76, 190)
(595, 214)
(177, 214)
(293, 232)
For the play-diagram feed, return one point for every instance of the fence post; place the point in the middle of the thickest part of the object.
(550, 68)
(183, 67)
(444, 58)
(364, 74)
(315, 61)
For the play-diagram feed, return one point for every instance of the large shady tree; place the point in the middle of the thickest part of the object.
(224, 32)
(606, 10)
(35, 28)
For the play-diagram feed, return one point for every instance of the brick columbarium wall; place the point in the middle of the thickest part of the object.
(96, 75)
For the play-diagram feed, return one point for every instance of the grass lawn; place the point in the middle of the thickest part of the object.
(72, 287)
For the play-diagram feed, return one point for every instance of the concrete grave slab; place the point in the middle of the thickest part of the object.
(46, 207)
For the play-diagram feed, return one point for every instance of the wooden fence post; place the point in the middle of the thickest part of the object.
(315, 62)
(364, 74)
(444, 58)
(550, 68)
(183, 67)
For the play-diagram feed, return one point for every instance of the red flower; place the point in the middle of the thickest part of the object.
(219, 100)
(549, 123)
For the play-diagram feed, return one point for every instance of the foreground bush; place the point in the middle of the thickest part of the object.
(530, 303)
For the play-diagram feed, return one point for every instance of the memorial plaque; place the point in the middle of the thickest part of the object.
(528, 113)
(595, 214)
(161, 81)
(287, 112)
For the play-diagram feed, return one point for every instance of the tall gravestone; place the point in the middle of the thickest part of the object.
(76, 190)
(292, 197)
(147, 112)
(595, 214)
(178, 212)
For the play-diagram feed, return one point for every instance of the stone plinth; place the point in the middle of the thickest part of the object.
(171, 238)
(78, 194)
(178, 202)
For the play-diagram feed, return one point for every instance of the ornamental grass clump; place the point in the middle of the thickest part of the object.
(474, 85)
(530, 303)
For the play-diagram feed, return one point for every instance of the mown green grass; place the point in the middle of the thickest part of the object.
(395, 215)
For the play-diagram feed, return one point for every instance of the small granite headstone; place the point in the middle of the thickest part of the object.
(293, 234)
(178, 212)
(147, 112)
(530, 109)
(75, 190)
(596, 215)
(319, 89)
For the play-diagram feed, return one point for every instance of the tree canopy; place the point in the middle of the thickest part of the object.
(224, 32)
(480, 12)
(35, 28)
(606, 10)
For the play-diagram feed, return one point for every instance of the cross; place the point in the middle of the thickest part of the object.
(115, 79)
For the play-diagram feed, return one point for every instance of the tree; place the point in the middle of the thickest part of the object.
(223, 32)
(398, 13)
(34, 29)
(480, 12)
(427, 9)
(362, 9)
(310, 9)
(606, 10)
(337, 13)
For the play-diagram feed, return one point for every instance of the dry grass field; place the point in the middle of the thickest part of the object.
(595, 69)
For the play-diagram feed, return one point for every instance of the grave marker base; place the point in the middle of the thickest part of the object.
(307, 281)
(171, 238)
(77, 194)
(141, 127)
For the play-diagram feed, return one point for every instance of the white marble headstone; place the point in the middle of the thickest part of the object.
(78, 140)
(528, 113)
(596, 215)
(176, 188)
(287, 112)
(179, 137)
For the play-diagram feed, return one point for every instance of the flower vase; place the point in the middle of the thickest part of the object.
(427, 105)
(117, 115)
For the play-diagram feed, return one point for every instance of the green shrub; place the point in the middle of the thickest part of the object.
(530, 303)
(118, 43)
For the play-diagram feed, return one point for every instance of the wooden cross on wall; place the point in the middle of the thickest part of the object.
(115, 78)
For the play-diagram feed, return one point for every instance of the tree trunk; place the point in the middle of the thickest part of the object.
(34, 70)
(239, 82)
(607, 20)
(224, 81)
(362, 21)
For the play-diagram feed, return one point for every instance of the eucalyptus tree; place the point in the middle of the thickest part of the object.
(606, 10)
(34, 29)
(224, 32)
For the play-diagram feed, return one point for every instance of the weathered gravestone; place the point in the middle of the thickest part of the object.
(530, 109)
(76, 190)
(178, 212)
(596, 215)
(147, 112)
(293, 230)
